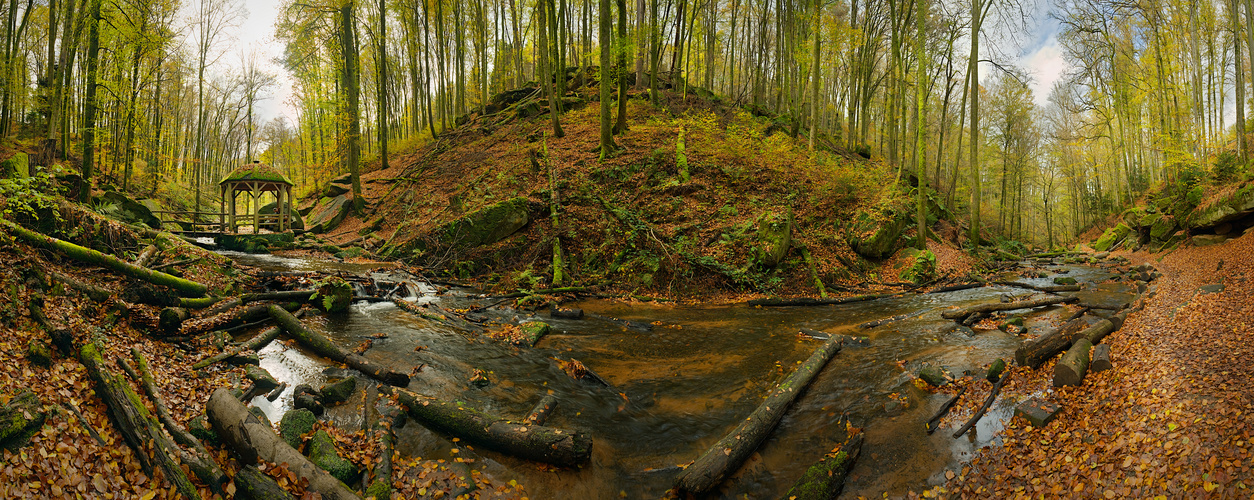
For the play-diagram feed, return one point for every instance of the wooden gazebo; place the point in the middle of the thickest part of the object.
(256, 179)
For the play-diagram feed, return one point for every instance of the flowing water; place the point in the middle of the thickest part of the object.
(682, 384)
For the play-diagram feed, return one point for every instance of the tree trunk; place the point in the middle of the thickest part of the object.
(135, 423)
(89, 104)
(560, 447)
(997, 306)
(146, 256)
(323, 347)
(185, 287)
(382, 86)
(172, 318)
(1074, 364)
(727, 455)
(351, 84)
(199, 460)
(252, 440)
(825, 479)
(620, 46)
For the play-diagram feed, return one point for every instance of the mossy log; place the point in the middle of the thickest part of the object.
(934, 422)
(1101, 359)
(1035, 353)
(992, 396)
(1073, 365)
(825, 479)
(199, 460)
(172, 318)
(727, 455)
(233, 318)
(540, 413)
(135, 424)
(254, 344)
(198, 303)
(252, 440)
(1096, 333)
(184, 287)
(283, 296)
(1041, 288)
(323, 347)
(1007, 306)
(20, 419)
(561, 447)
(251, 483)
(809, 301)
(92, 292)
(146, 256)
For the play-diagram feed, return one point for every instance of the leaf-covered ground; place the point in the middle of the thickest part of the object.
(1173, 419)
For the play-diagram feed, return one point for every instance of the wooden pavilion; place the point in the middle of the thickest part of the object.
(256, 179)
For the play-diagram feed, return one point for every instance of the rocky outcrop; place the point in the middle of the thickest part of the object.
(127, 209)
(1112, 237)
(1235, 206)
(482, 227)
(298, 222)
(15, 167)
(774, 237)
(874, 235)
(329, 213)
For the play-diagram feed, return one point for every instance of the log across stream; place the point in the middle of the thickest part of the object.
(686, 383)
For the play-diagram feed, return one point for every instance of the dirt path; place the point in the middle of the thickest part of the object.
(1173, 418)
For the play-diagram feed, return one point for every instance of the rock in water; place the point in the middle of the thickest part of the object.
(296, 423)
(338, 392)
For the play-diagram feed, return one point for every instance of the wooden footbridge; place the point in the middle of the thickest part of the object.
(255, 179)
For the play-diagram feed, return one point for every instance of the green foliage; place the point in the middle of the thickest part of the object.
(332, 294)
(31, 196)
(1226, 167)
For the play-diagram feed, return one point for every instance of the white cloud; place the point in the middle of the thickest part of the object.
(1046, 65)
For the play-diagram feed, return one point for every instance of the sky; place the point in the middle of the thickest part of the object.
(1037, 52)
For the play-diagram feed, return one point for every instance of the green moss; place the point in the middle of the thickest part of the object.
(1064, 280)
(38, 353)
(20, 419)
(15, 167)
(333, 295)
(774, 237)
(533, 331)
(294, 424)
(338, 392)
(322, 453)
(1111, 237)
(200, 428)
(1162, 228)
(256, 172)
(922, 269)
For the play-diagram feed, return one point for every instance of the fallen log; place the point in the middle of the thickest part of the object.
(92, 292)
(252, 440)
(826, 478)
(199, 460)
(177, 263)
(283, 296)
(1110, 325)
(1070, 370)
(135, 423)
(198, 303)
(808, 301)
(1101, 359)
(1008, 306)
(254, 344)
(987, 403)
(934, 422)
(1041, 288)
(541, 412)
(83, 254)
(323, 347)
(172, 318)
(252, 483)
(561, 447)
(722, 459)
(1035, 353)
(146, 256)
(233, 318)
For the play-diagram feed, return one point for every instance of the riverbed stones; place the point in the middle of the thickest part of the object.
(260, 378)
(337, 392)
(566, 313)
(1064, 280)
(1038, 411)
(296, 423)
(934, 376)
(322, 453)
(304, 396)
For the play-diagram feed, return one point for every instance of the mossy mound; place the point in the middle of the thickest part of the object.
(482, 227)
(875, 234)
(15, 167)
(294, 424)
(532, 332)
(322, 453)
(774, 237)
(1111, 237)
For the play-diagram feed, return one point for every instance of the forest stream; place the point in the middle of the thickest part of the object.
(686, 375)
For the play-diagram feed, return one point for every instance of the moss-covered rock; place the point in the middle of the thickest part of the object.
(482, 227)
(333, 295)
(934, 376)
(774, 237)
(203, 431)
(329, 213)
(127, 209)
(38, 353)
(260, 377)
(15, 167)
(322, 453)
(1135, 216)
(1064, 280)
(20, 419)
(337, 392)
(294, 424)
(1111, 237)
(532, 332)
(304, 396)
(298, 222)
(1227, 209)
(921, 266)
(1162, 228)
(874, 235)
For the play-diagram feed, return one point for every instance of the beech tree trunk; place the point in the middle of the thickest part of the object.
(87, 255)
(323, 347)
(722, 459)
(252, 440)
(998, 306)
(561, 447)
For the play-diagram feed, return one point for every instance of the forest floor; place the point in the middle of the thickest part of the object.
(1173, 419)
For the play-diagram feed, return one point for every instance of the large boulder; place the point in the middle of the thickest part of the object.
(482, 227)
(1162, 228)
(298, 222)
(329, 213)
(1111, 237)
(127, 209)
(338, 186)
(15, 167)
(774, 237)
(874, 235)
(1234, 206)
